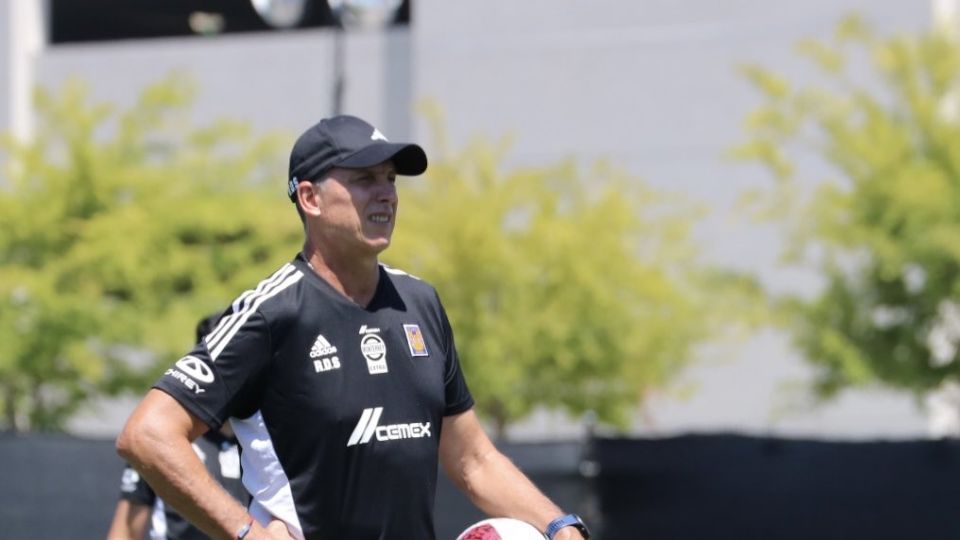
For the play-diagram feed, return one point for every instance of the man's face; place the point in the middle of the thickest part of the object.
(358, 207)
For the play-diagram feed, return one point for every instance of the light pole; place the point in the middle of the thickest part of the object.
(339, 72)
(355, 15)
(364, 14)
(349, 15)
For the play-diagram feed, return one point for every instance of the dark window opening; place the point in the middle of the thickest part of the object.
(105, 20)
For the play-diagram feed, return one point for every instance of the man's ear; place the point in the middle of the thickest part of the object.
(308, 195)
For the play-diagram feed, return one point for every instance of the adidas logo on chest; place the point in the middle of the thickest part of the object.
(324, 355)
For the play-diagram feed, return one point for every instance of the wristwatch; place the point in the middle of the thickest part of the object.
(569, 520)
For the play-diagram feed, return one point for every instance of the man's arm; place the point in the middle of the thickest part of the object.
(491, 481)
(156, 441)
(129, 521)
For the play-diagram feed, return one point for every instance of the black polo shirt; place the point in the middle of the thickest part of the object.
(338, 408)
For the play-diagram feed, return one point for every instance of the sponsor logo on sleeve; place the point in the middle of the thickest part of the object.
(128, 483)
(196, 369)
(192, 372)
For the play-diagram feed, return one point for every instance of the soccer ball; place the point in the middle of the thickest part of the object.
(501, 529)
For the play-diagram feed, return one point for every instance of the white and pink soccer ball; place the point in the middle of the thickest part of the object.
(501, 529)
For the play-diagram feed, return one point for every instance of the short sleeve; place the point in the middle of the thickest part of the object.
(133, 488)
(456, 393)
(221, 376)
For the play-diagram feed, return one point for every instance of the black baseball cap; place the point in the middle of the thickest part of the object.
(349, 142)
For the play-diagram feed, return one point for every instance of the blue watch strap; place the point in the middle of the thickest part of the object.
(569, 520)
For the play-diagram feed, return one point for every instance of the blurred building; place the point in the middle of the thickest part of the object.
(650, 85)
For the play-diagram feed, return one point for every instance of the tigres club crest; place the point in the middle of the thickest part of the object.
(418, 346)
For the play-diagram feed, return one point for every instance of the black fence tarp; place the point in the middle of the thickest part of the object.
(553, 467)
(690, 487)
(56, 486)
(725, 486)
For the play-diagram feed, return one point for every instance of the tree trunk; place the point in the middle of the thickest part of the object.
(10, 409)
(943, 410)
(498, 415)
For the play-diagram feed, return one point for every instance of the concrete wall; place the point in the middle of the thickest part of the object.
(275, 81)
(6, 46)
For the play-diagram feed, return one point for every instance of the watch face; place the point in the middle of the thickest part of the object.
(582, 527)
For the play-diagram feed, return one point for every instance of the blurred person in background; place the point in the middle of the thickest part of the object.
(139, 509)
(339, 376)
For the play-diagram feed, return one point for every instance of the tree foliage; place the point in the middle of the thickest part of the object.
(883, 231)
(119, 228)
(572, 289)
(567, 288)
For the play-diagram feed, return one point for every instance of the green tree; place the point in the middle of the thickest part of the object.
(567, 288)
(119, 228)
(882, 231)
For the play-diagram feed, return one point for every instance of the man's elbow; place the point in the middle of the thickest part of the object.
(136, 439)
(127, 442)
(471, 473)
(156, 422)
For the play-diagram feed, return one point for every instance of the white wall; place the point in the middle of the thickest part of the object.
(275, 81)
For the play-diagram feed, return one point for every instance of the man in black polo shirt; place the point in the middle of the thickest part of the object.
(340, 375)
(139, 511)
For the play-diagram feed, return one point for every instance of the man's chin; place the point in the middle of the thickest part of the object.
(377, 245)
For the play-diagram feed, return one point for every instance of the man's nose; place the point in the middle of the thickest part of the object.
(387, 192)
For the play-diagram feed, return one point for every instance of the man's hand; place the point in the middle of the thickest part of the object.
(275, 530)
(278, 530)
